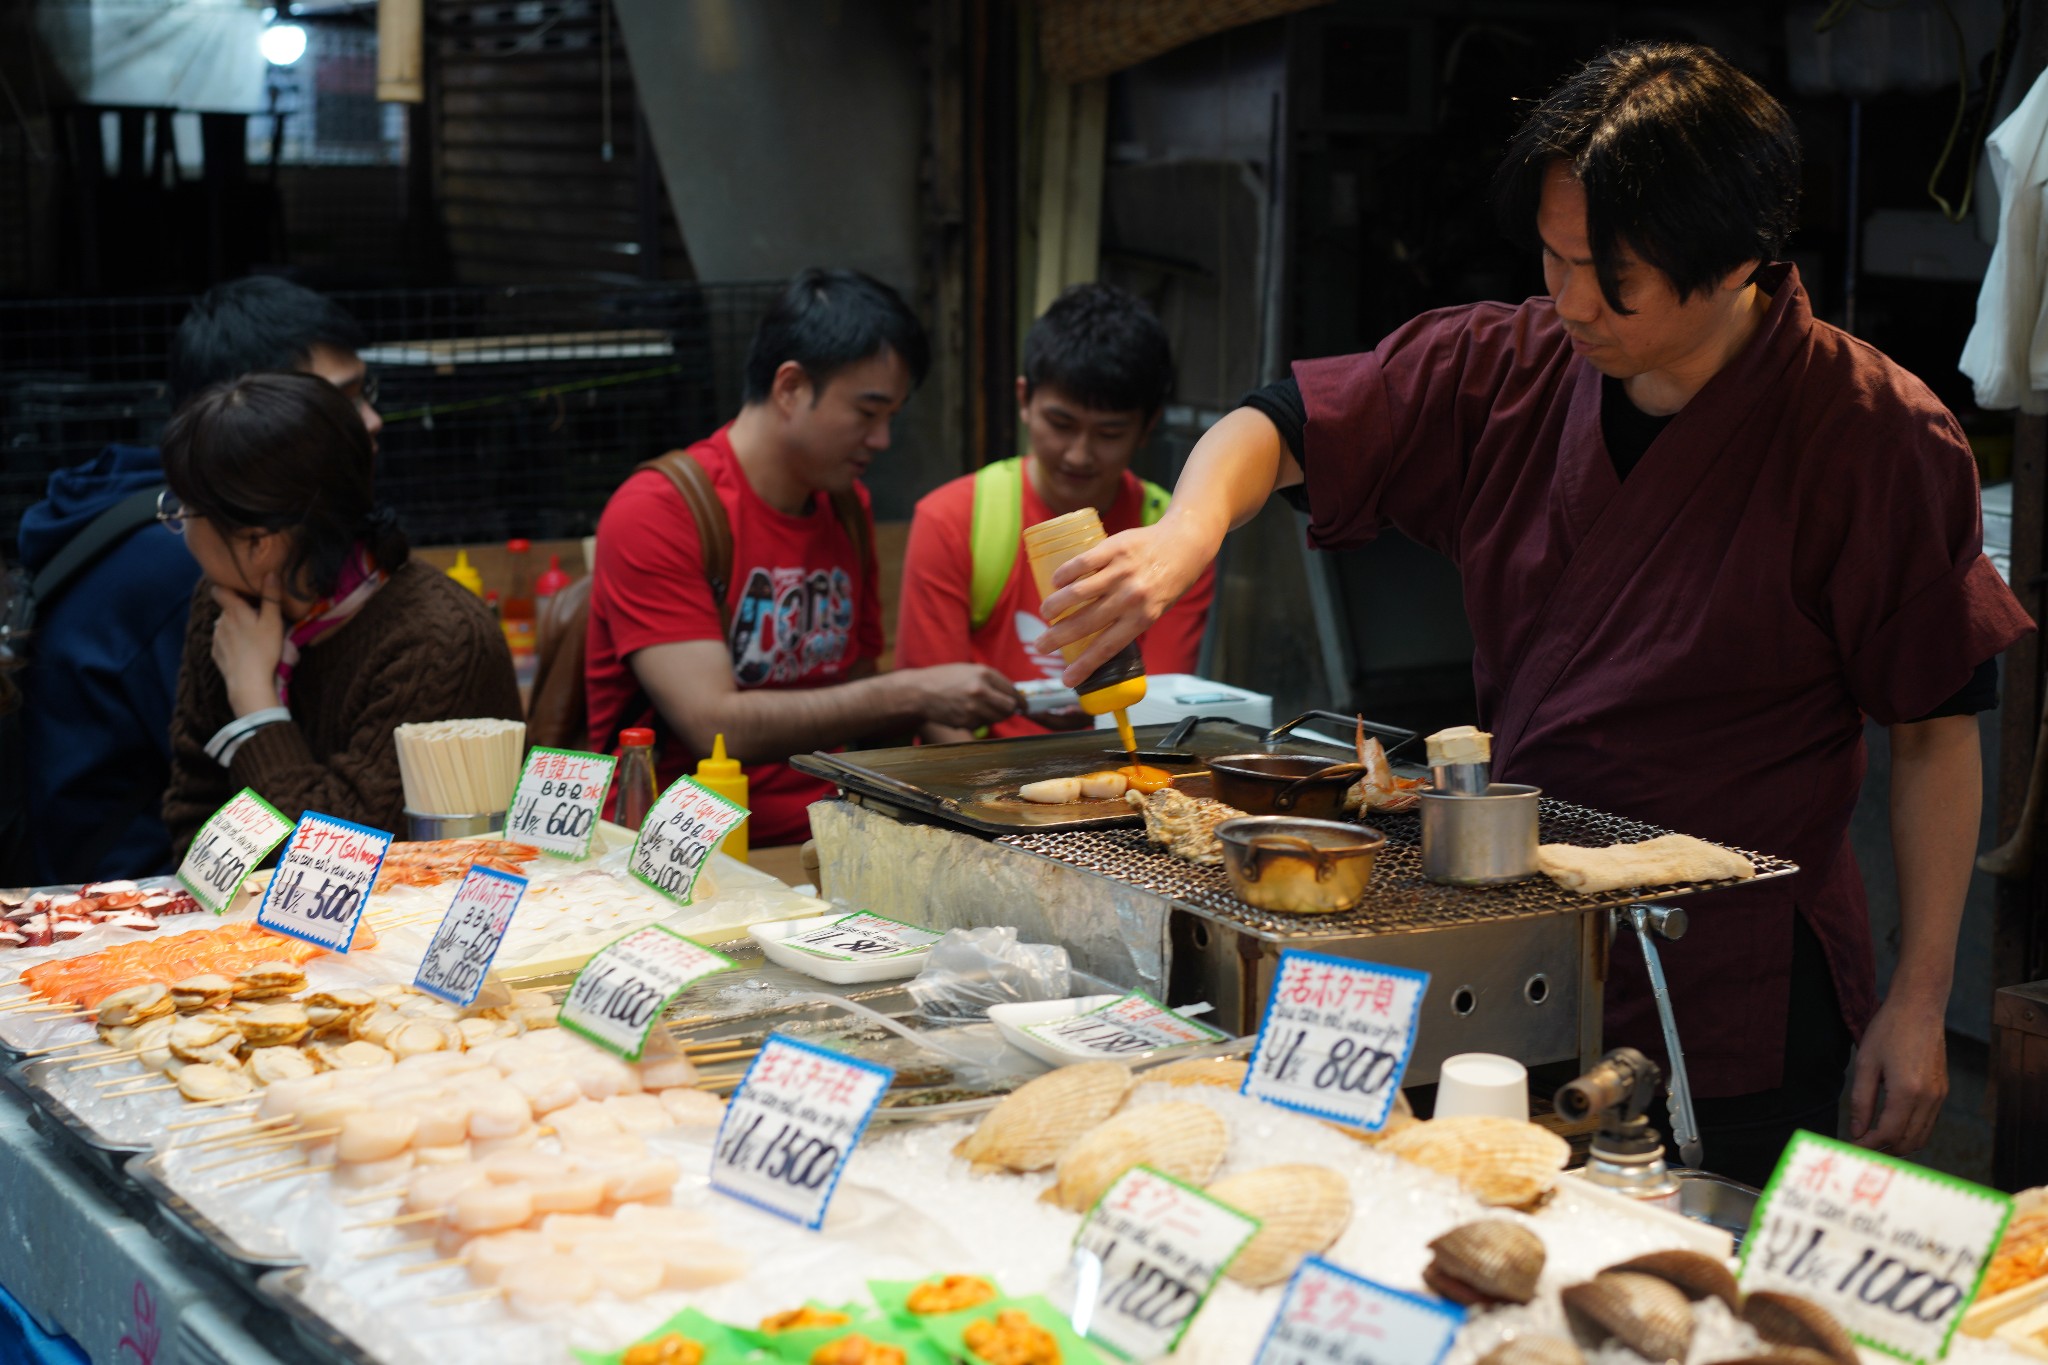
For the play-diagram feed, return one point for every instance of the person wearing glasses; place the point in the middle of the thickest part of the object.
(102, 666)
(314, 633)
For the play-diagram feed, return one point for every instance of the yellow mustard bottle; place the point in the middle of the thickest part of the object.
(465, 573)
(1120, 683)
(725, 776)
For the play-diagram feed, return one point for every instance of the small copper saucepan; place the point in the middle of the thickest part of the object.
(1298, 867)
(1284, 784)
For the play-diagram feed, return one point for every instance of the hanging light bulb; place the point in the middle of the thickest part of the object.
(283, 44)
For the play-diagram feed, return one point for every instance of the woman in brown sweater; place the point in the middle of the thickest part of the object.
(313, 634)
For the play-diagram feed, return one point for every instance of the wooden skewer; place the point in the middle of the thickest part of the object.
(262, 1146)
(224, 1099)
(274, 1127)
(371, 1197)
(711, 1058)
(126, 1054)
(423, 1244)
(110, 1081)
(145, 1090)
(472, 1296)
(398, 1220)
(718, 1082)
(442, 1264)
(296, 1168)
(225, 1118)
(61, 1047)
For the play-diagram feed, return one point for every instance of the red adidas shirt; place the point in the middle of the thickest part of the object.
(804, 612)
(934, 622)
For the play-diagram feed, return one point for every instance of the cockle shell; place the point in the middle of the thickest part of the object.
(1647, 1315)
(1788, 1320)
(1303, 1210)
(1534, 1350)
(1695, 1275)
(1185, 1141)
(1501, 1161)
(1042, 1118)
(1498, 1259)
(1218, 1071)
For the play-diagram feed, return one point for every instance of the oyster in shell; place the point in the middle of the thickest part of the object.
(1185, 824)
(1042, 1118)
(1186, 1141)
(1303, 1209)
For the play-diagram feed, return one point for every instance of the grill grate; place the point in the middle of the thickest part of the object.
(1400, 900)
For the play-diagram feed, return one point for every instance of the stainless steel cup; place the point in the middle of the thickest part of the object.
(1480, 840)
(1464, 779)
(421, 827)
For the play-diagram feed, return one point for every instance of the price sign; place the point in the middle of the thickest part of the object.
(682, 827)
(461, 953)
(862, 937)
(1136, 1023)
(1329, 1316)
(1146, 1258)
(618, 995)
(796, 1117)
(1336, 1038)
(556, 803)
(323, 881)
(1894, 1250)
(229, 845)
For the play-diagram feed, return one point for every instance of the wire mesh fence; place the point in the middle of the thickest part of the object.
(507, 412)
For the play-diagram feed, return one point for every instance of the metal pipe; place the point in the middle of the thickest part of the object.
(1685, 1129)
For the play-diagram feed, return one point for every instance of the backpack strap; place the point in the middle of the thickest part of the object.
(1154, 505)
(714, 530)
(101, 534)
(995, 532)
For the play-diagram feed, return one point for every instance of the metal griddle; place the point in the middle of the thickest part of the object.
(973, 785)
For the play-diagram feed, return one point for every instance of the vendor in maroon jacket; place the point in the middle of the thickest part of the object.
(1702, 535)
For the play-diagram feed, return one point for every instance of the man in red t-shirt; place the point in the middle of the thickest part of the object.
(831, 363)
(1097, 371)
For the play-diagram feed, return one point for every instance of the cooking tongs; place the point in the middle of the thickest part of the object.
(1170, 749)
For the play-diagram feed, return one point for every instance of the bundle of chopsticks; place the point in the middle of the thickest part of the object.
(459, 767)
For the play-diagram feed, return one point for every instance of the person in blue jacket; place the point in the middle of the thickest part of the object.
(102, 671)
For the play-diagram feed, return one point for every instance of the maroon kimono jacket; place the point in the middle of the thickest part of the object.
(1696, 647)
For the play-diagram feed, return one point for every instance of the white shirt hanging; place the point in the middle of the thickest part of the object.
(2007, 353)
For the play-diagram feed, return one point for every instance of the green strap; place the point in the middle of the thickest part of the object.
(998, 528)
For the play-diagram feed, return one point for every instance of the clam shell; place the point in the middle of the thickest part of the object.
(1647, 1315)
(1500, 1161)
(1182, 1140)
(1500, 1259)
(1042, 1118)
(1534, 1350)
(1303, 1209)
(1788, 1320)
(1218, 1071)
(1695, 1275)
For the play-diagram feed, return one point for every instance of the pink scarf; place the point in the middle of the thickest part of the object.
(359, 581)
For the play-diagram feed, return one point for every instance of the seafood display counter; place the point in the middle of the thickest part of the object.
(232, 1148)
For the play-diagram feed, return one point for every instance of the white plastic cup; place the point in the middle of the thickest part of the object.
(1482, 1083)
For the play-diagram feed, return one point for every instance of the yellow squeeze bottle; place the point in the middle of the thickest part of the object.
(725, 776)
(465, 573)
(1120, 683)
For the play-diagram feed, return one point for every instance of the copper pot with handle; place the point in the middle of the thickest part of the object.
(1294, 866)
(1283, 784)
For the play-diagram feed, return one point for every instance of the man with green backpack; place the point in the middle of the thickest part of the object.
(1097, 372)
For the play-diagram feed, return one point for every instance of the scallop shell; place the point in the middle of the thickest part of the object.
(1218, 1071)
(1500, 1161)
(1182, 1140)
(1788, 1320)
(1399, 1119)
(1695, 1275)
(1648, 1315)
(1534, 1350)
(1303, 1209)
(1500, 1259)
(1042, 1118)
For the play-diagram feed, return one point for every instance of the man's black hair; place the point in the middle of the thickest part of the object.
(1102, 347)
(1685, 160)
(258, 323)
(827, 320)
